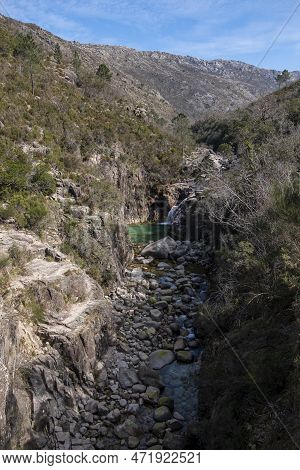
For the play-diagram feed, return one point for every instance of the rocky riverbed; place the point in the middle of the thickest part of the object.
(146, 392)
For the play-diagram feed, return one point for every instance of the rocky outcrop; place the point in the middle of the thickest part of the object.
(55, 327)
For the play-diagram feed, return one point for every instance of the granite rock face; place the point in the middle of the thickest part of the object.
(55, 326)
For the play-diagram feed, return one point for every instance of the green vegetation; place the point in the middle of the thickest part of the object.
(58, 54)
(62, 125)
(104, 73)
(255, 302)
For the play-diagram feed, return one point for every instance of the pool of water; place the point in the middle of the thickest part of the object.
(142, 234)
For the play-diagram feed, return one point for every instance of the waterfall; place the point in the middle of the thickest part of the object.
(171, 215)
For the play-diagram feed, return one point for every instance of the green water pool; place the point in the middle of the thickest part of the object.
(142, 234)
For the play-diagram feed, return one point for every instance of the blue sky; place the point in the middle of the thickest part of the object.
(208, 29)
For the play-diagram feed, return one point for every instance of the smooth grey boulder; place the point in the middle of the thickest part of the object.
(161, 358)
(161, 249)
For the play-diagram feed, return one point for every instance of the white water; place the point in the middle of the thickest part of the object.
(170, 217)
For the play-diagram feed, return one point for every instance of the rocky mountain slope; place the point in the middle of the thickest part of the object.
(164, 84)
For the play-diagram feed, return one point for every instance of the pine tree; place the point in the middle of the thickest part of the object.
(104, 72)
(58, 54)
(76, 62)
(27, 49)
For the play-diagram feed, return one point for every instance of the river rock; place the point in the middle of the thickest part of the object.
(179, 344)
(159, 429)
(152, 394)
(150, 377)
(160, 249)
(156, 314)
(130, 427)
(133, 442)
(139, 388)
(160, 358)
(162, 413)
(127, 377)
(185, 356)
(175, 425)
(166, 401)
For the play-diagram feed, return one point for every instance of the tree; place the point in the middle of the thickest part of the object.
(57, 54)
(27, 49)
(283, 78)
(104, 73)
(182, 130)
(76, 62)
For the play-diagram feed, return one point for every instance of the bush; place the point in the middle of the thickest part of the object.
(14, 170)
(43, 181)
(29, 211)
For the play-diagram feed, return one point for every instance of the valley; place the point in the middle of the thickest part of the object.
(149, 260)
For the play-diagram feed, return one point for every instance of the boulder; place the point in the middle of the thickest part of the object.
(162, 413)
(160, 249)
(179, 344)
(127, 377)
(161, 358)
(156, 314)
(167, 401)
(185, 356)
(150, 377)
(130, 427)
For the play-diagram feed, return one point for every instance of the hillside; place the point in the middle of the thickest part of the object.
(250, 377)
(165, 84)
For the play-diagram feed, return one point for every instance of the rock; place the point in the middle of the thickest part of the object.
(130, 427)
(159, 429)
(63, 436)
(179, 344)
(162, 305)
(175, 425)
(143, 356)
(173, 441)
(178, 416)
(142, 335)
(156, 314)
(100, 374)
(114, 416)
(152, 394)
(127, 377)
(133, 408)
(160, 249)
(161, 358)
(150, 377)
(156, 447)
(162, 413)
(174, 328)
(139, 388)
(163, 266)
(185, 356)
(87, 417)
(133, 442)
(152, 441)
(166, 401)
(92, 406)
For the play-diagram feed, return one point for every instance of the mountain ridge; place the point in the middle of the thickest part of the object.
(171, 83)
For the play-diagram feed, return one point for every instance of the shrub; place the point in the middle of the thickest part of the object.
(43, 181)
(28, 210)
